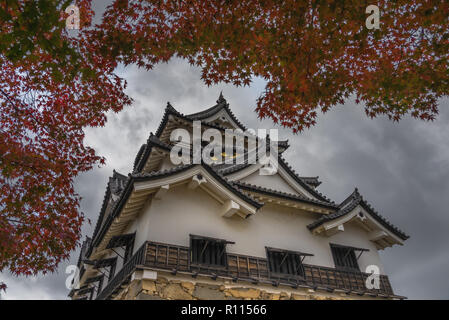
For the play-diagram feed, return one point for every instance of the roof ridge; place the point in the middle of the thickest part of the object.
(118, 174)
(382, 219)
(168, 109)
(352, 201)
(354, 196)
(313, 191)
(145, 149)
(283, 193)
(221, 99)
(160, 172)
(221, 104)
(314, 181)
(156, 141)
(154, 174)
(233, 184)
(139, 155)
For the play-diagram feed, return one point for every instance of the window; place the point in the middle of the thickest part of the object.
(129, 249)
(345, 257)
(108, 265)
(208, 251)
(286, 262)
(125, 241)
(95, 284)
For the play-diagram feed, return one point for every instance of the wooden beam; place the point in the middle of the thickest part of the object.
(334, 230)
(229, 208)
(377, 235)
(161, 192)
(196, 181)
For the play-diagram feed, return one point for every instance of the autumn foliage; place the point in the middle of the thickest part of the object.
(312, 54)
(52, 86)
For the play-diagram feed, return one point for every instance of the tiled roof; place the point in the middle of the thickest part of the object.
(139, 156)
(289, 196)
(350, 204)
(139, 176)
(225, 169)
(229, 184)
(221, 104)
(309, 183)
(312, 181)
(300, 180)
(145, 150)
(114, 186)
(127, 189)
(170, 110)
(154, 140)
(116, 207)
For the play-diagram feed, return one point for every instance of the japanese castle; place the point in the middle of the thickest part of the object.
(224, 231)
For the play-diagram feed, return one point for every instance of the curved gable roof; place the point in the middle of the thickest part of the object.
(303, 183)
(127, 190)
(114, 186)
(222, 104)
(349, 204)
(145, 150)
(153, 140)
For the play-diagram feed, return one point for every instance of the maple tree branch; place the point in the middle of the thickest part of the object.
(36, 121)
(15, 221)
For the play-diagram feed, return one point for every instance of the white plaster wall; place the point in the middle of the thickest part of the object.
(182, 212)
(275, 182)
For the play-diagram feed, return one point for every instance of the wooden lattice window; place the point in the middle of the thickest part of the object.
(345, 257)
(208, 251)
(285, 262)
(125, 241)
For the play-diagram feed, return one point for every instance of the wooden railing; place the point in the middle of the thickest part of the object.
(123, 275)
(350, 281)
(176, 258)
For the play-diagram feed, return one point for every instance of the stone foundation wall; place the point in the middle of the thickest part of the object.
(178, 288)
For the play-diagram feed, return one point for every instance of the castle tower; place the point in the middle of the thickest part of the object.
(223, 230)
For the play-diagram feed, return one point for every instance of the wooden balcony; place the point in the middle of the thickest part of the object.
(176, 259)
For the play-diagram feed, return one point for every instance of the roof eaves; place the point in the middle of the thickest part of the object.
(232, 186)
(168, 110)
(102, 210)
(152, 141)
(123, 196)
(349, 204)
(229, 184)
(285, 195)
(383, 221)
(115, 210)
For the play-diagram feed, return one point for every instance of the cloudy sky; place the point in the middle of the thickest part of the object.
(402, 169)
